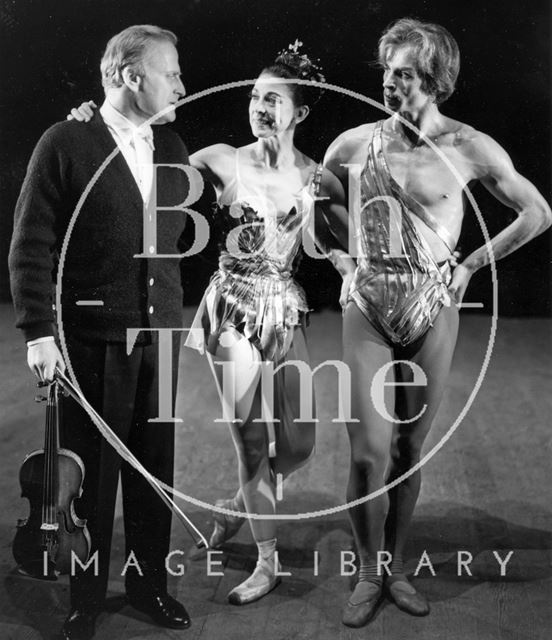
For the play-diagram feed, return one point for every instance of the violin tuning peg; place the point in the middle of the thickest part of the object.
(40, 399)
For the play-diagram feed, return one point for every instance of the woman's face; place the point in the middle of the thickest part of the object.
(272, 109)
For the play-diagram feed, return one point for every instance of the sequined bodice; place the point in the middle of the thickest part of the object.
(254, 235)
(266, 245)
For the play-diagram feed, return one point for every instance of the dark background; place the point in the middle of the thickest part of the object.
(50, 52)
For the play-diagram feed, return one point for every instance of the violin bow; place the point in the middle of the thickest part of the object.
(126, 454)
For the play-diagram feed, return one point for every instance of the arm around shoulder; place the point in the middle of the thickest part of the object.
(212, 161)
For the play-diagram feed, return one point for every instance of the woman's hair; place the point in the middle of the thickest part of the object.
(128, 49)
(436, 52)
(290, 65)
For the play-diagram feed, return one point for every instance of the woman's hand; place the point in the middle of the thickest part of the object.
(454, 259)
(84, 113)
(459, 283)
(345, 287)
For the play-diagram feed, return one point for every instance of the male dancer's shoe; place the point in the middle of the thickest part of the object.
(362, 604)
(225, 526)
(405, 596)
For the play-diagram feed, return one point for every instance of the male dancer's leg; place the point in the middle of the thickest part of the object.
(433, 353)
(365, 351)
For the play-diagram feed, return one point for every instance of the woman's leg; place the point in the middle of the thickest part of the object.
(366, 352)
(294, 440)
(242, 371)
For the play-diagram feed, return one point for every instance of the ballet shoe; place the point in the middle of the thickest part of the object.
(362, 605)
(405, 596)
(259, 583)
(225, 526)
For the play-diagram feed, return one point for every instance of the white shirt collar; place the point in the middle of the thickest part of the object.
(125, 129)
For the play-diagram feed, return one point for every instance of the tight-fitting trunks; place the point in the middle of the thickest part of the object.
(398, 286)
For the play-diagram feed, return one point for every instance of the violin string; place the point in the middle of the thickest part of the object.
(45, 463)
(55, 459)
(44, 484)
(47, 456)
(50, 425)
(51, 454)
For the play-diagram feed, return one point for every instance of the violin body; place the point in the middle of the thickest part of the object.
(46, 541)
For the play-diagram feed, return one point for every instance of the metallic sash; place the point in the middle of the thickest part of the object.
(400, 294)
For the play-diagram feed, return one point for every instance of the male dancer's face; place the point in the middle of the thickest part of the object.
(402, 85)
(160, 85)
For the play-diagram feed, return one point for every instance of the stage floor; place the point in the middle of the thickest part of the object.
(486, 489)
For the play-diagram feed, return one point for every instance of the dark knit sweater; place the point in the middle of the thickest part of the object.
(107, 233)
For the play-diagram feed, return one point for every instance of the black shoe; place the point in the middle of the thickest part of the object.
(358, 611)
(79, 625)
(163, 608)
(405, 596)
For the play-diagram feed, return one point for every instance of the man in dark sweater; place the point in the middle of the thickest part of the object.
(113, 279)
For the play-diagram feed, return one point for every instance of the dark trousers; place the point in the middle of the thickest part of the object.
(124, 390)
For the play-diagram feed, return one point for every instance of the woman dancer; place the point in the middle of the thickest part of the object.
(253, 310)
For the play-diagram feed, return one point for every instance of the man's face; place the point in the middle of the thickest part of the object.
(161, 85)
(402, 85)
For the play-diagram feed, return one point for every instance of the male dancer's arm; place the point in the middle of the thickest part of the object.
(330, 230)
(494, 168)
(347, 153)
(344, 161)
(32, 251)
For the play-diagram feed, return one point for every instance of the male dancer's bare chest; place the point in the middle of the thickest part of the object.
(436, 181)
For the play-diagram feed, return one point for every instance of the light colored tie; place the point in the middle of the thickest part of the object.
(142, 140)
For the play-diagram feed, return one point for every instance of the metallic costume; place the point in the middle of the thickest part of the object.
(253, 292)
(401, 295)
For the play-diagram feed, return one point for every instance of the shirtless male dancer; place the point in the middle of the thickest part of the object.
(403, 299)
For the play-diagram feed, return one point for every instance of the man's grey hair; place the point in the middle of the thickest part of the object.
(128, 49)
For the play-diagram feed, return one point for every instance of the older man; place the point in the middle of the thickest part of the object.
(109, 286)
(403, 299)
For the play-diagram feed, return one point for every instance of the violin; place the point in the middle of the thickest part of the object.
(47, 542)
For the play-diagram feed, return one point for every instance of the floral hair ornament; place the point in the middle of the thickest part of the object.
(304, 67)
